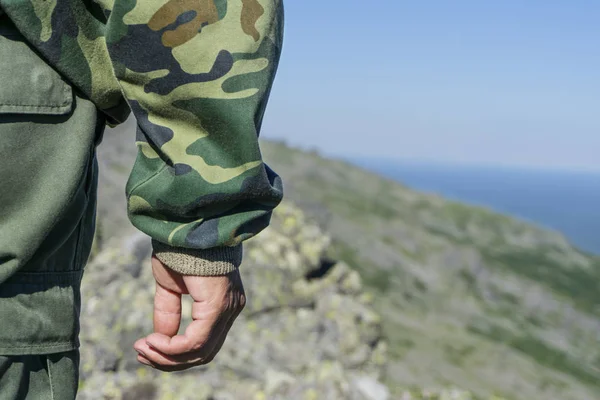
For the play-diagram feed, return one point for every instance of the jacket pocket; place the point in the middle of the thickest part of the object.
(47, 138)
(27, 84)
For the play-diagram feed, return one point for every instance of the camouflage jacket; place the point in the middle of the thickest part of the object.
(196, 74)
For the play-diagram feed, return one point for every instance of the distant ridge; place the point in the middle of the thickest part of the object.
(567, 201)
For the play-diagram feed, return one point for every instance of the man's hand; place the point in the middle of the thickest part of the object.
(218, 300)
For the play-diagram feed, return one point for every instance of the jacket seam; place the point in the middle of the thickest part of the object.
(49, 366)
(66, 103)
(143, 182)
(87, 188)
(69, 278)
(50, 345)
(31, 273)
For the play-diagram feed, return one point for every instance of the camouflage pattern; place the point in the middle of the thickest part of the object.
(197, 75)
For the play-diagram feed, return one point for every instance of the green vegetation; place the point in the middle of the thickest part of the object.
(541, 352)
(436, 266)
(458, 354)
(374, 278)
(582, 286)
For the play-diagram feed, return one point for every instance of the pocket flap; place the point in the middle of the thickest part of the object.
(27, 84)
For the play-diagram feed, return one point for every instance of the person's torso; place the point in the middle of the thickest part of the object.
(49, 130)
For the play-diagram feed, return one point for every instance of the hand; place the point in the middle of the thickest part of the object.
(218, 300)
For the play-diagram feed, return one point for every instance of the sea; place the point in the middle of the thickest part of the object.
(567, 201)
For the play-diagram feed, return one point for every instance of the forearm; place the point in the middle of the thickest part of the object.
(197, 78)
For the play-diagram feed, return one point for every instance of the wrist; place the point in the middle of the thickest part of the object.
(200, 262)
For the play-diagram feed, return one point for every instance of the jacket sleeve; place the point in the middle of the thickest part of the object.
(197, 75)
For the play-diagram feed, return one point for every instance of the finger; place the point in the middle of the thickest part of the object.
(172, 368)
(140, 345)
(198, 334)
(167, 277)
(201, 357)
(144, 360)
(197, 337)
(187, 360)
(167, 311)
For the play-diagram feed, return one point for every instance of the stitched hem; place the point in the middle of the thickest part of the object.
(66, 102)
(45, 278)
(37, 109)
(40, 349)
(53, 108)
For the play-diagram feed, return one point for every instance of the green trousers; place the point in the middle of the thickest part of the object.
(39, 377)
(48, 179)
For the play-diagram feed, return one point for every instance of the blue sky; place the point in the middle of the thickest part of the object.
(484, 82)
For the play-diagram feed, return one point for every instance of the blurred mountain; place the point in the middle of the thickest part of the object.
(359, 281)
(468, 297)
(309, 331)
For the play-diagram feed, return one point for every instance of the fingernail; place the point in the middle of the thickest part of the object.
(141, 353)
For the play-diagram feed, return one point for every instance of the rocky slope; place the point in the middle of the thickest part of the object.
(468, 297)
(308, 332)
(465, 297)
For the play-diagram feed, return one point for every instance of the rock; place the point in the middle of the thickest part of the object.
(140, 249)
(277, 380)
(307, 332)
(371, 388)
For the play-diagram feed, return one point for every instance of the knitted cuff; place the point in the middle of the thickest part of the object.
(210, 262)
